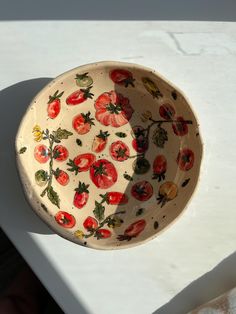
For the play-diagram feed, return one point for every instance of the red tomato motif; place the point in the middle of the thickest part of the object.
(185, 159)
(119, 151)
(79, 96)
(180, 128)
(102, 234)
(100, 142)
(142, 191)
(62, 177)
(113, 109)
(159, 167)
(54, 105)
(41, 153)
(140, 141)
(115, 198)
(140, 145)
(167, 112)
(54, 108)
(122, 77)
(81, 195)
(82, 123)
(60, 153)
(65, 219)
(90, 223)
(133, 230)
(84, 161)
(103, 174)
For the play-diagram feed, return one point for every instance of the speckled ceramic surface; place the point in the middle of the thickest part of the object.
(109, 154)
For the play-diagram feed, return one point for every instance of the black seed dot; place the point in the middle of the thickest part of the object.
(185, 182)
(85, 243)
(156, 225)
(174, 95)
(164, 216)
(197, 134)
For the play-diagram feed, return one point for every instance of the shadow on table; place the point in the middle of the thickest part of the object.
(14, 101)
(214, 283)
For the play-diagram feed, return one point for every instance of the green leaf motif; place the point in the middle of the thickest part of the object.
(22, 150)
(159, 137)
(99, 211)
(44, 207)
(53, 196)
(140, 211)
(127, 177)
(73, 167)
(78, 142)
(121, 134)
(61, 134)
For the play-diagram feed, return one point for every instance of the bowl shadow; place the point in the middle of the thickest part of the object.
(14, 101)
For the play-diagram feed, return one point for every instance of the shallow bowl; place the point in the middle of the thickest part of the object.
(109, 154)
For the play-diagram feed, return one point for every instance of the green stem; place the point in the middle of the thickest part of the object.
(103, 223)
(159, 122)
(171, 121)
(51, 142)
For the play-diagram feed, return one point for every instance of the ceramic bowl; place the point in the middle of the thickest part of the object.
(109, 154)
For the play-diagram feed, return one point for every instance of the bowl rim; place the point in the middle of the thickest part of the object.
(113, 64)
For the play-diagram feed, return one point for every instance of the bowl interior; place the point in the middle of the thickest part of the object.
(109, 154)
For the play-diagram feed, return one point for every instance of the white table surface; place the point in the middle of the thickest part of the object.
(200, 58)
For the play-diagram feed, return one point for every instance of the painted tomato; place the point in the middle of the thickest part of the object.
(185, 159)
(140, 145)
(81, 195)
(140, 141)
(60, 153)
(103, 174)
(115, 198)
(90, 223)
(141, 165)
(142, 191)
(180, 128)
(151, 87)
(79, 96)
(159, 167)
(83, 80)
(84, 161)
(167, 192)
(119, 151)
(113, 109)
(122, 77)
(41, 153)
(100, 141)
(41, 177)
(167, 112)
(133, 230)
(138, 131)
(102, 234)
(82, 123)
(54, 105)
(65, 219)
(61, 177)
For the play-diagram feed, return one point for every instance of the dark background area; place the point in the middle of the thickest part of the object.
(190, 10)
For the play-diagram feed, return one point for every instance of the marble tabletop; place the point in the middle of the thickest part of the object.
(191, 262)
